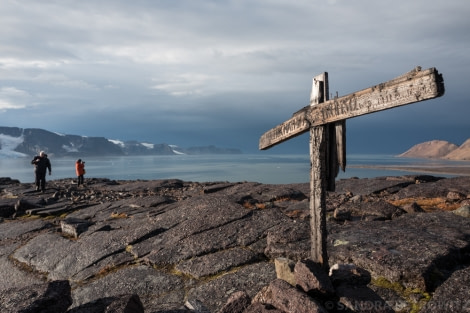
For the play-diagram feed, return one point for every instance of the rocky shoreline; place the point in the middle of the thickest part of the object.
(395, 244)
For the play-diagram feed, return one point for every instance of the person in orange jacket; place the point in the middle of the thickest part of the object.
(80, 170)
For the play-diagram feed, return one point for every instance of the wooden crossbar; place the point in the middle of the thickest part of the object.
(414, 86)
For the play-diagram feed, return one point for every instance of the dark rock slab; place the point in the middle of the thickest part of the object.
(294, 208)
(196, 306)
(251, 279)
(169, 241)
(126, 304)
(8, 181)
(360, 299)
(374, 209)
(7, 207)
(52, 297)
(367, 186)
(11, 229)
(452, 295)
(349, 274)
(184, 220)
(12, 275)
(62, 258)
(416, 250)
(261, 308)
(140, 186)
(211, 188)
(241, 232)
(284, 297)
(128, 207)
(290, 240)
(217, 262)
(156, 289)
(22, 206)
(56, 209)
(253, 193)
(432, 189)
(236, 303)
(413, 208)
(398, 300)
(97, 306)
(46, 253)
(312, 278)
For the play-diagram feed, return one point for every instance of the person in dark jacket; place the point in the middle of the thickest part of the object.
(41, 165)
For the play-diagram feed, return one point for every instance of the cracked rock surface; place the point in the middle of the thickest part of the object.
(169, 241)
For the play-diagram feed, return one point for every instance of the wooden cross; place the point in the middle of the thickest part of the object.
(325, 119)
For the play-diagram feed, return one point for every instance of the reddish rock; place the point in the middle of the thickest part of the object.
(282, 296)
(312, 278)
(236, 303)
(412, 208)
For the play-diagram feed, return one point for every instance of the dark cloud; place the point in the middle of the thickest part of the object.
(224, 72)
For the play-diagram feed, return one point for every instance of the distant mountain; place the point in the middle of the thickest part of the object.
(461, 153)
(439, 149)
(26, 142)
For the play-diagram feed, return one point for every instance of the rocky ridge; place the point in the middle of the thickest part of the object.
(395, 244)
(22, 142)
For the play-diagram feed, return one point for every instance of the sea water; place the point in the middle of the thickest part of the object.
(263, 168)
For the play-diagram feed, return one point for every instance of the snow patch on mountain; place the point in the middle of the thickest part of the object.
(70, 148)
(147, 145)
(175, 149)
(117, 142)
(8, 144)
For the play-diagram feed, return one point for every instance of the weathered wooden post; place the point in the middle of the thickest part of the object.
(325, 119)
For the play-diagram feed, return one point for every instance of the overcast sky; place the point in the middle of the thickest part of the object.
(223, 72)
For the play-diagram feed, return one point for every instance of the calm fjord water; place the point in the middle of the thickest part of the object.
(268, 169)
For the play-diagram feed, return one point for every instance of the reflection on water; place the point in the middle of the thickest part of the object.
(274, 169)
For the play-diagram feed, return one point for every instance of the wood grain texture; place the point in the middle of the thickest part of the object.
(414, 86)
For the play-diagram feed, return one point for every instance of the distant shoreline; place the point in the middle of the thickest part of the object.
(462, 170)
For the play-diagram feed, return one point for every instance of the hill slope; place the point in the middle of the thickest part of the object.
(461, 153)
(439, 149)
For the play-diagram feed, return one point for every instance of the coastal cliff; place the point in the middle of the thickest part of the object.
(177, 246)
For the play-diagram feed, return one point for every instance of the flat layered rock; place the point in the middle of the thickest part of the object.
(212, 264)
(54, 297)
(368, 186)
(439, 188)
(408, 249)
(11, 275)
(452, 295)
(17, 229)
(251, 279)
(153, 287)
(169, 241)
